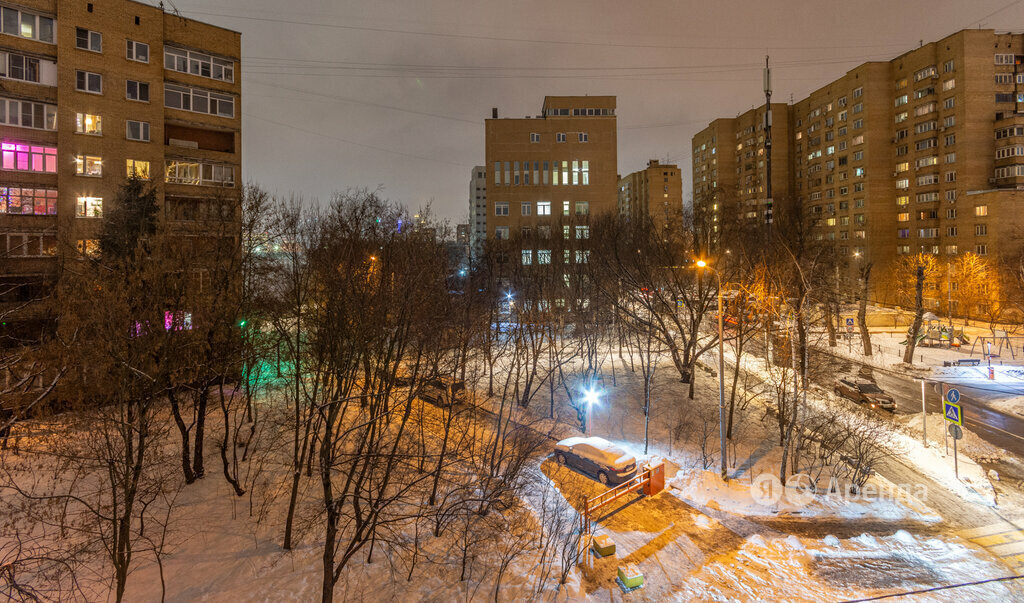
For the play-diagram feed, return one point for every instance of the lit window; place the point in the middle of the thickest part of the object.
(25, 157)
(138, 168)
(27, 25)
(89, 207)
(582, 232)
(543, 208)
(582, 208)
(981, 210)
(88, 124)
(87, 165)
(28, 201)
(527, 257)
(544, 256)
(88, 247)
(565, 208)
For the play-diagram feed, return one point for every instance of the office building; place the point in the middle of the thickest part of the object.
(477, 209)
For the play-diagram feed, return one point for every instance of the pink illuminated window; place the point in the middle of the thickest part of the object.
(28, 158)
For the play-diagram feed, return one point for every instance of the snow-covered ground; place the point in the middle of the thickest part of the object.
(700, 539)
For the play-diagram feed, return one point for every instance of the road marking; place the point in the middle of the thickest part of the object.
(1003, 539)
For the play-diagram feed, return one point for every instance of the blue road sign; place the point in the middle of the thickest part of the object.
(953, 413)
(953, 395)
(849, 322)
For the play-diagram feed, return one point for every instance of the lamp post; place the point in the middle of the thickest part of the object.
(721, 367)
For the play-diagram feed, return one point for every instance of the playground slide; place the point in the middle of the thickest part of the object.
(919, 338)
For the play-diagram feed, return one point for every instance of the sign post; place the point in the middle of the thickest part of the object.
(924, 418)
(954, 414)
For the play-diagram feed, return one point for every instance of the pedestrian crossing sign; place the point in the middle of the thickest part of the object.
(953, 412)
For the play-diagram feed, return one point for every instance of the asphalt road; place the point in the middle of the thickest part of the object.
(997, 428)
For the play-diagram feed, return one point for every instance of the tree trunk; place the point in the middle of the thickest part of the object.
(198, 467)
(862, 309)
(183, 429)
(908, 354)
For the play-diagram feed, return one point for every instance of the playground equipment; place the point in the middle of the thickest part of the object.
(994, 345)
(934, 333)
(650, 480)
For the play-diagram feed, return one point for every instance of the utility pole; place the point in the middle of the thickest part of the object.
(768, 218)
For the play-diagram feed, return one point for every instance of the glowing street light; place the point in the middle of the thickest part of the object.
(590, 398)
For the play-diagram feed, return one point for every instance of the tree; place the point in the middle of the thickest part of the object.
(911, 275)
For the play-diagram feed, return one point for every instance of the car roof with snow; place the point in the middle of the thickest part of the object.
(605, 451)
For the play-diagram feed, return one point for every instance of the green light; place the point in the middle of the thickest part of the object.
(242, 322)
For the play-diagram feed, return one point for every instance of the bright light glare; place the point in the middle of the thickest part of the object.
(509, 295)
(701, 264)
(590, 397)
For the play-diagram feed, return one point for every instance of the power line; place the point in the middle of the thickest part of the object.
(358, 144)
(518, 40)
(936, 588)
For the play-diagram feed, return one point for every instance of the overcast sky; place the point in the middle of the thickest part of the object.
(341, 94)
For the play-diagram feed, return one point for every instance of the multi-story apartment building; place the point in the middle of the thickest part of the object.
(921, 153)
(654, 193)
(477, 209)
(556, 168)
(730, 170)
(91, 92)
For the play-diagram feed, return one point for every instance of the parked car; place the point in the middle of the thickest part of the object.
(596, 457)
(443, 391)
(865, 392)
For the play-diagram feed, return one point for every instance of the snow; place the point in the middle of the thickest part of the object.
(599, 449)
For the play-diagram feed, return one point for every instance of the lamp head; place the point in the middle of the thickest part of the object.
(701, 264)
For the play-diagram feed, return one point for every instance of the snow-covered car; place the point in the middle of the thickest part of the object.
(863, 392)
(596, 457)
(443, 391)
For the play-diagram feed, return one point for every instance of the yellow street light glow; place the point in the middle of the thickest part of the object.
(701, 263)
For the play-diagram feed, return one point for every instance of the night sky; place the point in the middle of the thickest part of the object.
(393, 93)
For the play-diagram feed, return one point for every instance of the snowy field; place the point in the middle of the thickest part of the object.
(700, 539)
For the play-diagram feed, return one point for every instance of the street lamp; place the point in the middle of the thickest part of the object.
(590, 398)
(721, 366)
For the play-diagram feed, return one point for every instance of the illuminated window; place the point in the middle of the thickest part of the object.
(88, 247)
(28, 201)
(527, 257)
(565, 208)
(138, 168)
(25, 157)
(586, 172)
(544, 256)
(26, 25)
(981, 210)
(582, 208)
(87, 165)
(582, 232)
(26, 114)
(89, 207)
(88, 124)
(543, 208)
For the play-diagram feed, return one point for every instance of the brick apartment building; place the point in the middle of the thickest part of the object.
(922, 153)
(91, 92)
(557, 167)
(477, 209)
(654, 193)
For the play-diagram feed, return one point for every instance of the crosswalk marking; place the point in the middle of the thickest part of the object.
(1003, 539)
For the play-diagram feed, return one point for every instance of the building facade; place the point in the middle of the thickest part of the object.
(920, 154)
(91, 92)
(477, 209)
(557, 167)
(654, 193)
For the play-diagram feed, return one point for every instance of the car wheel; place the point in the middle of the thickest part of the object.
(602, 477)
(560, 458)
